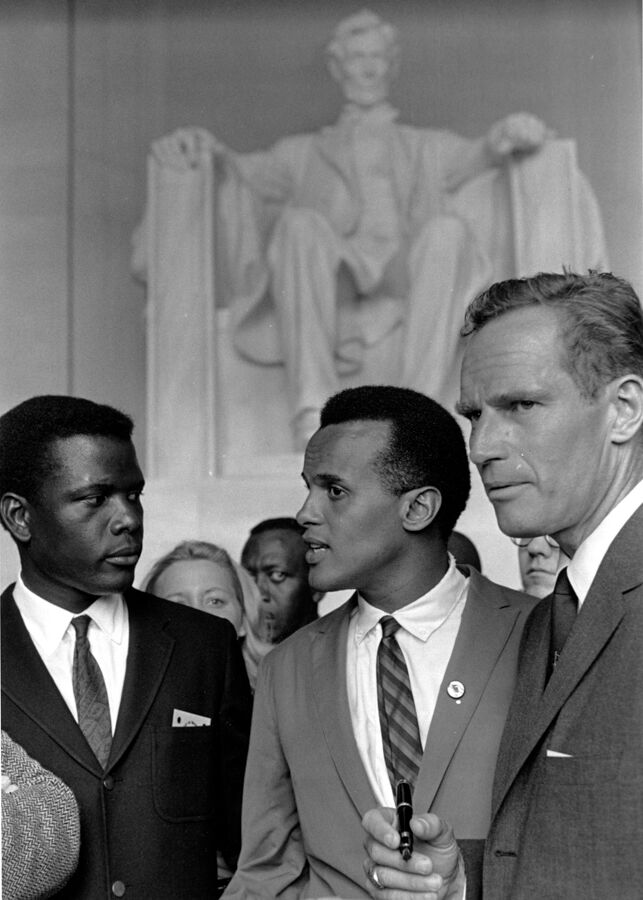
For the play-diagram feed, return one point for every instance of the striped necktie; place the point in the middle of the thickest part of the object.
(398, 719)
(91, 695)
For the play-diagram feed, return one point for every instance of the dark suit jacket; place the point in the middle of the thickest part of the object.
(169, 796)
(306, 789)
(572, 826)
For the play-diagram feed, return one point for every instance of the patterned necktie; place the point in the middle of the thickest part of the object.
(91, 694)
(563, 615)
(398, 719)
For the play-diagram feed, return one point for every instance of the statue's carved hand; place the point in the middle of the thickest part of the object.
(186, 148)
(517, 133)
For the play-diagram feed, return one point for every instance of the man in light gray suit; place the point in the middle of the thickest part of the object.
(387, 477)
(552, 383)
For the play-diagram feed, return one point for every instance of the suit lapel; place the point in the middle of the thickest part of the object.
(328, 673)
(487, 622)
(334, 146)
(535, 706)
(150, 649)
(27, 682)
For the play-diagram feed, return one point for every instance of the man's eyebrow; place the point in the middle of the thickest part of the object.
(326, 478)
(106, 487)
(323, 478)
(103, 486)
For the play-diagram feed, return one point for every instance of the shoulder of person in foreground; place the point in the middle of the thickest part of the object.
(40, 827)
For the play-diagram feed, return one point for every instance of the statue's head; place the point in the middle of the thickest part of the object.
(363, 56)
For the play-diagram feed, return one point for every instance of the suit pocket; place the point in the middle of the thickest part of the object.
(184, 762)
(581, 770)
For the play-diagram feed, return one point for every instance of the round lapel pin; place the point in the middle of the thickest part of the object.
(455, 690)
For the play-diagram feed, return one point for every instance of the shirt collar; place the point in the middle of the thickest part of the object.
(587, 559)
(423, 616)
(376, 116)
(47, 623)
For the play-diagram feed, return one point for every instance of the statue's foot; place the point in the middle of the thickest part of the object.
(304, 425)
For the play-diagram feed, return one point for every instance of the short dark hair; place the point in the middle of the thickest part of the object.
(600, 315)
(283, 523)
(426, 446)
(28, 431)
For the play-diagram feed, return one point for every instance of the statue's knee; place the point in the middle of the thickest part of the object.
(301, 222)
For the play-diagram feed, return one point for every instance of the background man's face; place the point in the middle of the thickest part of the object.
(276, 560)
(543, 451)
(366, 69)
(539, 563)
(86, 527)
(353, 525)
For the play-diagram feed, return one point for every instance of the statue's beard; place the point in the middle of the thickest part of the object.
(362, 95)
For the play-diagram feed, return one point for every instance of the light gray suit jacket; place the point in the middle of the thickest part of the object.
(571, 826)
(306, 789)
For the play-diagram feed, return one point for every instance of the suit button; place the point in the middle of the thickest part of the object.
(108, 784)
(118, 889)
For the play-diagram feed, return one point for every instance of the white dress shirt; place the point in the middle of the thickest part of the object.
(429, 627)
(587, 559)
(54, 636)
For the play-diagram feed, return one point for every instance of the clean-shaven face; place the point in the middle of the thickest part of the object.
(543, 451)
(276, 560)
(352, 522)
(539, 563)
(86, 525)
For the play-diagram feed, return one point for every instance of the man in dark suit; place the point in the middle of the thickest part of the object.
(552, 383)
(100, 680)
(387, 477)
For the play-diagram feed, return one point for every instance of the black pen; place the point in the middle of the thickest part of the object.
(404, 812)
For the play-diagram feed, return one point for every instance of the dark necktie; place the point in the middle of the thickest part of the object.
(563, 614)
(90, 694)
(398, 719)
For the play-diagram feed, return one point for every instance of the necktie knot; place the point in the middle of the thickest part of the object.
(81, 624)
(563, 586)
(389, 626)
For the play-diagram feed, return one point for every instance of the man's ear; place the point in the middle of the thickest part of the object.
(317, 596)
(419, 507)
(14, 510)
(627, 400)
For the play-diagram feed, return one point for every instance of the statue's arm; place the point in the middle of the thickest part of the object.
(186, 148)
(516, 135)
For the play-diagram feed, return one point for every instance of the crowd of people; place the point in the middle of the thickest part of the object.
(212, 735)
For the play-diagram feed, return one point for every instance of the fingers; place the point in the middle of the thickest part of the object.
(433, 830)
(389, 884)
(380, 824)
(185, 147)
(518, 132)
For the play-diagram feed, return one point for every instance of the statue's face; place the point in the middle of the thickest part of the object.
(366, 69)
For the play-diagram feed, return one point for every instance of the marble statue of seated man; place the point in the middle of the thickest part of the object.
(364, 238)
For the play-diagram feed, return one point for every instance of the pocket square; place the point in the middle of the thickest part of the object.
(183, 719)
(558, 755)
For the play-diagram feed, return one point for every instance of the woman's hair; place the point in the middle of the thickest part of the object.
(190, 550)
